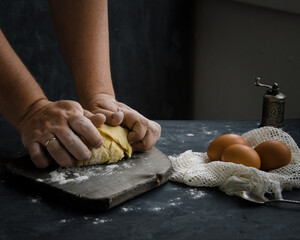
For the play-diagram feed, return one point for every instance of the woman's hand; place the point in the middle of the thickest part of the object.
(143, 133)
(60, 128)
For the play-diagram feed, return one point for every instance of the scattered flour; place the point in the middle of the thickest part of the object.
(207, 132)
(80, 174)
(175, 202)
(112, 166)
(97, 220)
(65, 220)
(126, 165)
(102, 220)
(196, 193)
(130, 209)
(77, 174)
(81, 178)
(190, 134)
(156, 209)
(34, 200)
(59, 177)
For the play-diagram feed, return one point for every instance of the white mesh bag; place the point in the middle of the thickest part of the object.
(195, 169)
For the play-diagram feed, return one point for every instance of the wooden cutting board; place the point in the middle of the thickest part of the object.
(99, 186)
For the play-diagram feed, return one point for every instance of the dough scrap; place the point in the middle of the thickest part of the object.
(115, 146)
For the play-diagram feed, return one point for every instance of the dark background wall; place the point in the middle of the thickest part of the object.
(149, 44)
(235, 41)
(176, 59)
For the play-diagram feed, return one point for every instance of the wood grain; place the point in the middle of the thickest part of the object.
(103, 185)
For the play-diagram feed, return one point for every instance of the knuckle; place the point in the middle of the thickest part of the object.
(147, 145)
(41, 165)
(36, 132)
(34, 136)
(143, 121)
(64, 103)
(97, 142)
(84, 156)
(79, 123)
(67, 164)
(158, 127)
(35, 156)
(139, 136)
(38, 162)
(69, 139)
(82, 124)
(68, 108)
(52, 148)
(155, 129)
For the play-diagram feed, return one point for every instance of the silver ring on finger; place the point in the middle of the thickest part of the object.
(49, 141)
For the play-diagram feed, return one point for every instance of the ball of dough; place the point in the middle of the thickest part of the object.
(115, 146)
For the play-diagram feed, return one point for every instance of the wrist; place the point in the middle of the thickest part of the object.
(88, 100)
(89, 87)
(31, 111)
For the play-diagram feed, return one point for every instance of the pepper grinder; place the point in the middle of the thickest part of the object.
(273, 105)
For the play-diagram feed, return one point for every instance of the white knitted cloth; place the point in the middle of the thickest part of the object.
(195, 169)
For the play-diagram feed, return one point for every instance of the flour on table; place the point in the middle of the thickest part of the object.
(156, 209)
(127, 209)
(101, 220)
(190, 134)
(127, 165)
(77, 174)
(81, 174)
(195, 193)
(175, 202)
(58, 176)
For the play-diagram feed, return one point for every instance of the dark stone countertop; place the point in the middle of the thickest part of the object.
(173, 211)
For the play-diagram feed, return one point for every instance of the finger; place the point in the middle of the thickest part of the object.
(151, 137)
(144, 144)
(60, 154)
(137, 132)
(97, 119)
(73, 144)
(84, 127)
(112, 118)
(137, 124)
(38, 156)
(115, 119)
(87, 113)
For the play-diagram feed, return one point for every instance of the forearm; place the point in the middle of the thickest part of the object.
(82, 30)
(18, 89)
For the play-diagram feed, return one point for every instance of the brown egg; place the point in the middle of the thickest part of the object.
(217, 146)
(273, 154)
(241, 154)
